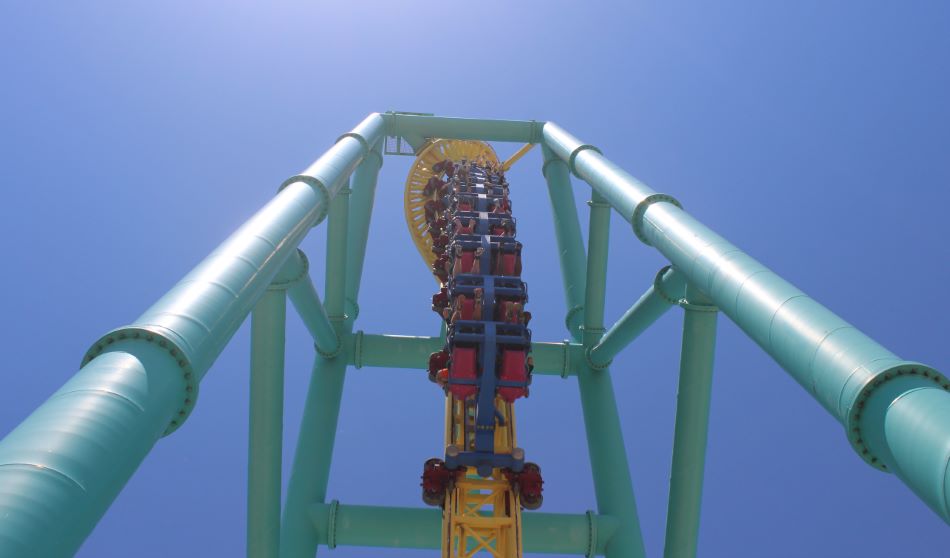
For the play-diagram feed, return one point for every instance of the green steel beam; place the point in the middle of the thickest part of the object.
(692, 425)
(667, 289)
(894, 411)
(377, 526)
(361, 209)
(608, 459)
(59, 469)
(570, 243)
(266, 424)
(311, 468)
(295, 277)
(414, 126)
(403, 351)
(335, 281)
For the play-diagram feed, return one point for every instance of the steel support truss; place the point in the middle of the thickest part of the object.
(140, 382)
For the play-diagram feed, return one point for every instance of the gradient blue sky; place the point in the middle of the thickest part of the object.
(134, 137)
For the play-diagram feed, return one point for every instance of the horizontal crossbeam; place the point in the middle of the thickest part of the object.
(403, 351)
(379, 526)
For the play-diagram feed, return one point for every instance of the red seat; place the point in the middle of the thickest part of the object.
(468, 260)
(507, 264)
(468, 309)
(512, 370)
(463, 368)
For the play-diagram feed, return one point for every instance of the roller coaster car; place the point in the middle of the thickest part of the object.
(528, 484)
(436, 481)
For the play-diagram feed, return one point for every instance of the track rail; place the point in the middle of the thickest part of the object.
(459, 212)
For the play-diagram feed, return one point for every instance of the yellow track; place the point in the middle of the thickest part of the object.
(481, 515)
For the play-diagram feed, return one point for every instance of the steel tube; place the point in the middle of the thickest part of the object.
(570, 242)
(838, 364)
(312, 460)
(666, 290)
(295, 277)
(336, 257)
(611, 471)
(361, 209)
(65, 464)
(377, 526)
(413, 125)
(265, 425)
(692, 425)
(141, 381)
(403, 351)
(311, 466)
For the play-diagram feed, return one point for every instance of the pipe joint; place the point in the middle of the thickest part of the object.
(591, 534)
(569, 317)
(658, 286)
(577, 151)
(553, 159)
(640, 210)
(566, 359)
(331, 524)
(335, 352)
(291, 274)
(376, 156)
(352, 309)
(364, 145)
(593, 364)
(856, 436)
(166, 343)
(318, 187)
(697, 307)
(357, 349)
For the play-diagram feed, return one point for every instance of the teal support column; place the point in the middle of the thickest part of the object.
(266, 424)
(570, 243)
(312, 460)
(63, 466)
(692, 425)
(361, 209)
(846, 371)
(667, 290)
(311, 468)
(379, 526)
(608, 459)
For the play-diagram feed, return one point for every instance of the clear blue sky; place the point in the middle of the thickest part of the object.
(134, 137)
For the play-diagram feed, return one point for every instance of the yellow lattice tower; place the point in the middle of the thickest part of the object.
(481, 515)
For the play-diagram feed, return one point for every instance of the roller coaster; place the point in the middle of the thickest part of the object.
(65, 464)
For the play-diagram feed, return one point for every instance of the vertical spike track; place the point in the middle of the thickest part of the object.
(459, 212)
